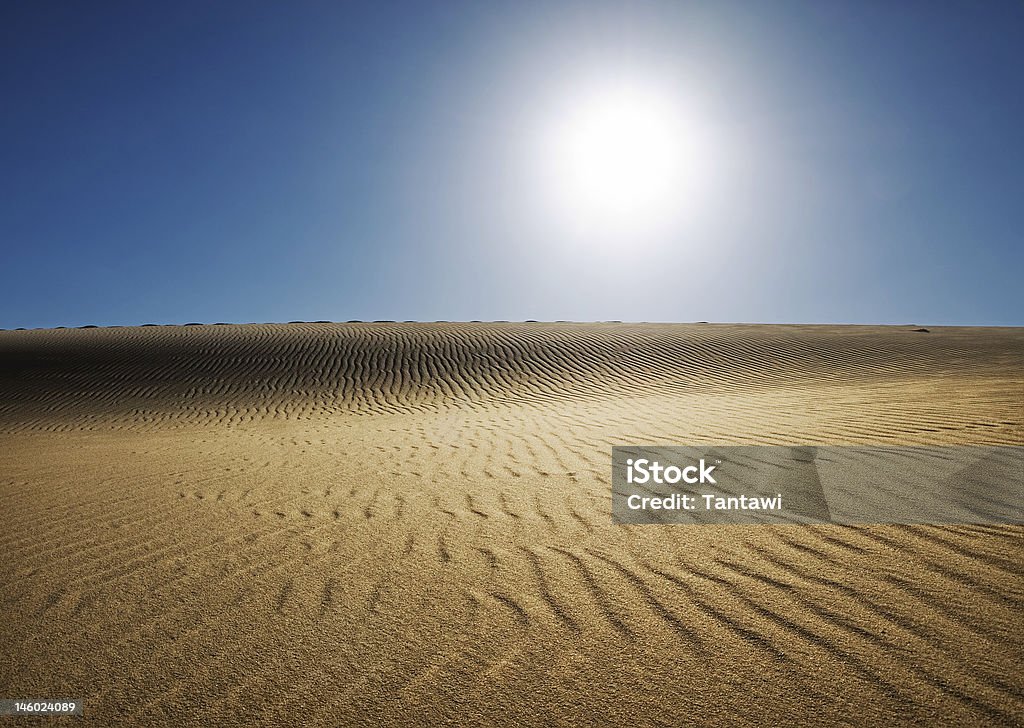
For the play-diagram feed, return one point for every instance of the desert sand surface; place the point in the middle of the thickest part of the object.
(409, 524)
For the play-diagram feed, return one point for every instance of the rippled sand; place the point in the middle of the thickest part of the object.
(367, 524)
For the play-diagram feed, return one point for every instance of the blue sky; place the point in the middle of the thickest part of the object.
(193, 161)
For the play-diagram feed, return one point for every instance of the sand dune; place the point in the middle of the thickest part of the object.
(383, 523)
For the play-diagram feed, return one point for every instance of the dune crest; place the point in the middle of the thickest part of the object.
(140, 376)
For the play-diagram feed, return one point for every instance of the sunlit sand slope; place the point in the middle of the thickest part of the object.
(367, 524)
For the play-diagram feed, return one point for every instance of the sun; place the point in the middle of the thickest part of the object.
(616, 161)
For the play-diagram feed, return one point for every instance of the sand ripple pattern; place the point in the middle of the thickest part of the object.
(138, 377)
(404, 524)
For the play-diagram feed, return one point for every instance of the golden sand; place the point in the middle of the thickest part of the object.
(363, 524)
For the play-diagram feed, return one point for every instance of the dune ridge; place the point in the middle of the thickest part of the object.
(409, 524)
(137, 375)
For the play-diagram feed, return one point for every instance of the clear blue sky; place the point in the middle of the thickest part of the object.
(251, 161)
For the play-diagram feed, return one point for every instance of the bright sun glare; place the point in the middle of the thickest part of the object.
(619, 161)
